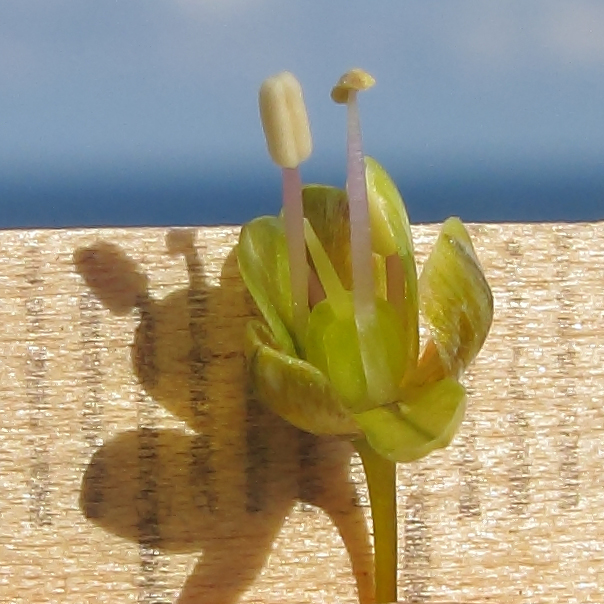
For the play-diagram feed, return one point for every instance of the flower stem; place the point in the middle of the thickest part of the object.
(381, 481)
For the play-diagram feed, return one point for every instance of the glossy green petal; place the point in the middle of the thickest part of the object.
(332, 345)
(455, 298)
(427, 420)
(294, 389)
(326, 208)
(263, 263)
(391, 234)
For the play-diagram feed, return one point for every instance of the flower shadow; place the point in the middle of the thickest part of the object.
(224, 484)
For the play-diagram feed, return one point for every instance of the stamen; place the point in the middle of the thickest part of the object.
(345, 91)
(287, 132)
(373, 352)
(360, 232)
(293, 215)
(284, 120)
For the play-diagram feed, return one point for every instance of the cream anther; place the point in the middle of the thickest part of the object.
(284, 120)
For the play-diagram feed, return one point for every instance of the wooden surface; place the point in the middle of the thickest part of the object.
(134, 466)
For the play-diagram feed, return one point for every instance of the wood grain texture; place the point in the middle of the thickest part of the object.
(135, 466)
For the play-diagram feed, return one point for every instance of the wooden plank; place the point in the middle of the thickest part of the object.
(135, 467)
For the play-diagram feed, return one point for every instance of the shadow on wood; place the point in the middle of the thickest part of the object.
(225, 483)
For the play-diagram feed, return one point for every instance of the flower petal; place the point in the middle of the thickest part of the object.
(294, 389)
(391, 234)
(456, 301)
(263, 264)
(427, 420)
(332, 345)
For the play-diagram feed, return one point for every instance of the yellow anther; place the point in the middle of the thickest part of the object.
(284, 120)
(353, 80)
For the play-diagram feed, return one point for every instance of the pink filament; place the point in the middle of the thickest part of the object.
(296, 247)
(360, 231)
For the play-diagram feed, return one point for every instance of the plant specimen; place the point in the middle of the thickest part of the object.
(335, 279)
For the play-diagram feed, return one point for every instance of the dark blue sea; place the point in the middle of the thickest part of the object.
(172, 197)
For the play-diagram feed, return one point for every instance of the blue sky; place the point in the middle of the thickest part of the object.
(145, 111)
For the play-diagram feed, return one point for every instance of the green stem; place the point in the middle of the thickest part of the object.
(381, 481)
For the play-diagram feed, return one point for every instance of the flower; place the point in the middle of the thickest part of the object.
(335, 280)
(343, 356)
